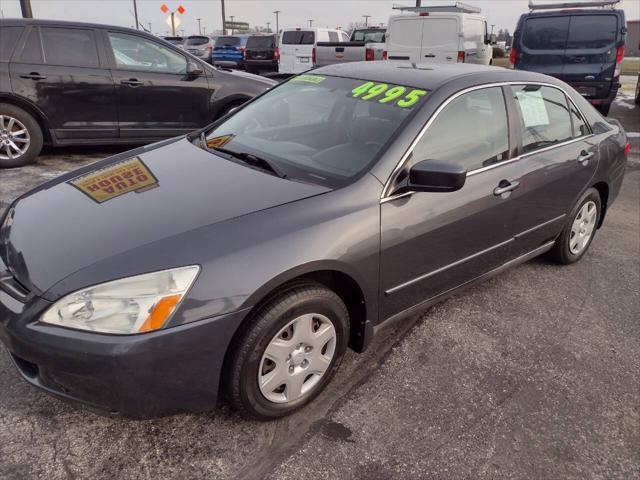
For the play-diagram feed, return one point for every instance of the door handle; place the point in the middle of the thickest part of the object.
(33, 76)
(431, 55)
(505, 186)
(584, 157)
(132, 82)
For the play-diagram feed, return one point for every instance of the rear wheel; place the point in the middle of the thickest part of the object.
(288, 352)
(578, 233)
(20, 136)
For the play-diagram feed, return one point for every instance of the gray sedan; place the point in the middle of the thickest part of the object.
(244, 259)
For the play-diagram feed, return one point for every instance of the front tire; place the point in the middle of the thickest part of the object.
(288, 352)
(578, 233)
(20, 137)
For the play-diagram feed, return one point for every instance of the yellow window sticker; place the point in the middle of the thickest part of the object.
(219, 141)
(393, 94)
(130, 175)
(308, 78)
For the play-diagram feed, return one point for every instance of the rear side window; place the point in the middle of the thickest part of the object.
(8, 38)
(592, 31)
(377, 36)
(298, 37)
(228, 42)
(544, 116)
(32, 52)
(261, 42)
(195, 41)
(545, 33)
(580, 128)
(70, 47)
(471, 131)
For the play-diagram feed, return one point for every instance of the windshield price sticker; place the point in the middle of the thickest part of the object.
(394, 94)
(308, 78)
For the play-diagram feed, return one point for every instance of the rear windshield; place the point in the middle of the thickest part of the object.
(592, 31)
(197, 41)
(261, 42)
(368, 36)
(298, 37)
(545, 33)
(174, 40)
(228, 41)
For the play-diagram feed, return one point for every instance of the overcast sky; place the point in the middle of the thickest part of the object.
(294, 13)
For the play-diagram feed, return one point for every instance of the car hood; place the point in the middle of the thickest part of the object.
(130, 200)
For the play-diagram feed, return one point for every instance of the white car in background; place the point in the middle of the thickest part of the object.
(298, 47)
(450, 34)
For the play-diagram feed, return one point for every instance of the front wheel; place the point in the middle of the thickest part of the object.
(288, 352)
(20, 137)
(578, 233)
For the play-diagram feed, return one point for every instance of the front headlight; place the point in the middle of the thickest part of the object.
(130, 305)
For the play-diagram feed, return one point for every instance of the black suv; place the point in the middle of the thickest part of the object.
(261, 54)
(584, 47)
(65, 83)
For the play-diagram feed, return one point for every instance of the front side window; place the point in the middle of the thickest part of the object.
(544, 116)
(32, 52)
(319, 129)
(8, 38)
(70, 47)
(471, 131)
(136, 53)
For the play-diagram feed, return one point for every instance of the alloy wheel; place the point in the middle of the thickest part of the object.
(296, 358)
(583, 227)
(14, 138)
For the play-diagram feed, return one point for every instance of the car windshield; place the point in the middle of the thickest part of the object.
(319, 129)
(197, 41)
(369, 36)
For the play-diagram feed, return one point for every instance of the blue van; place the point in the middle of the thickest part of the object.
(581, 46)
(229, 51)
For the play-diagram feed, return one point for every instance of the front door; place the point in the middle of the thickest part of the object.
(433, 242)
(60, 70)
(155, 95)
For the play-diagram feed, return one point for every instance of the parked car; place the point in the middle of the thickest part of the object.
(365, 44)
(177, 41)
(261, 54)
(298, 47)
(229, 51)
(246, 257)
(69, 83)
(199, 45)
(447, 34)
(581, 46)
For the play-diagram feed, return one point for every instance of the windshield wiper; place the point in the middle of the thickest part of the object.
(248, 158)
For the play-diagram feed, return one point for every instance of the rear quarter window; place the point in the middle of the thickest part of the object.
(592, 31)
(8, 38)
(298, 37)
(545, 33)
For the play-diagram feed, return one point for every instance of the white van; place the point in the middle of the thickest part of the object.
(451, 34)
(298, 47)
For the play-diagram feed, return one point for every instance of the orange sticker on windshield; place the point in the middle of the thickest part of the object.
(130, 175)
(221, 141)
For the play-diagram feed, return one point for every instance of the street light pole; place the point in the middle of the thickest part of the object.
(366, 20)
(224, 19)
(232, 29)
(268, 27)
(311, 23)
(277, 12)
(199, 27)
(25, 5)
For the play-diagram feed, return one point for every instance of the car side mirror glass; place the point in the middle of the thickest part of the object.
(434, 176)
(194, 69)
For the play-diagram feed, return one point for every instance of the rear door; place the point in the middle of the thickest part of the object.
(404, 40)
(542, 46)
(61, 71)
(441, 40)
(296, 50)
(590, 56)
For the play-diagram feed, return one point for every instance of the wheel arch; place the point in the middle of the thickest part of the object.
(222, 104)
(31, 109)
(603, 190)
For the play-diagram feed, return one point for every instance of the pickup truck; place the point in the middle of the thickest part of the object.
(365, 44)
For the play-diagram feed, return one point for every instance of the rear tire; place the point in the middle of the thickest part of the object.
(287, 352)
(20, 137)
(578, 233)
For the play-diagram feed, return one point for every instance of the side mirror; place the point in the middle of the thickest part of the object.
(491, 39)
(434, 176)
(194, 69)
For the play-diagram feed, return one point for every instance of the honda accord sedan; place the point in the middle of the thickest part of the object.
(241, 261)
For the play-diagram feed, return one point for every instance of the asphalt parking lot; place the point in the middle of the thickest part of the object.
(534, 374)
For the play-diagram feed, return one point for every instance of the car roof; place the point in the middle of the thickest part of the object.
(64, 23)
(428, 76)
(572, 12)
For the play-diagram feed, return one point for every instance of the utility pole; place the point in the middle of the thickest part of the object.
(366, 20)
(311, 23)
(277, 12)
(232, 29)
(25, 5)
(204, 30)
(269, 27)
(199, 27)
(224, 19)
(135, 14)
(492, 26)
(418, 3)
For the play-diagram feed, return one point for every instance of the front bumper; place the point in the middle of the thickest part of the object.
(159, 373)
